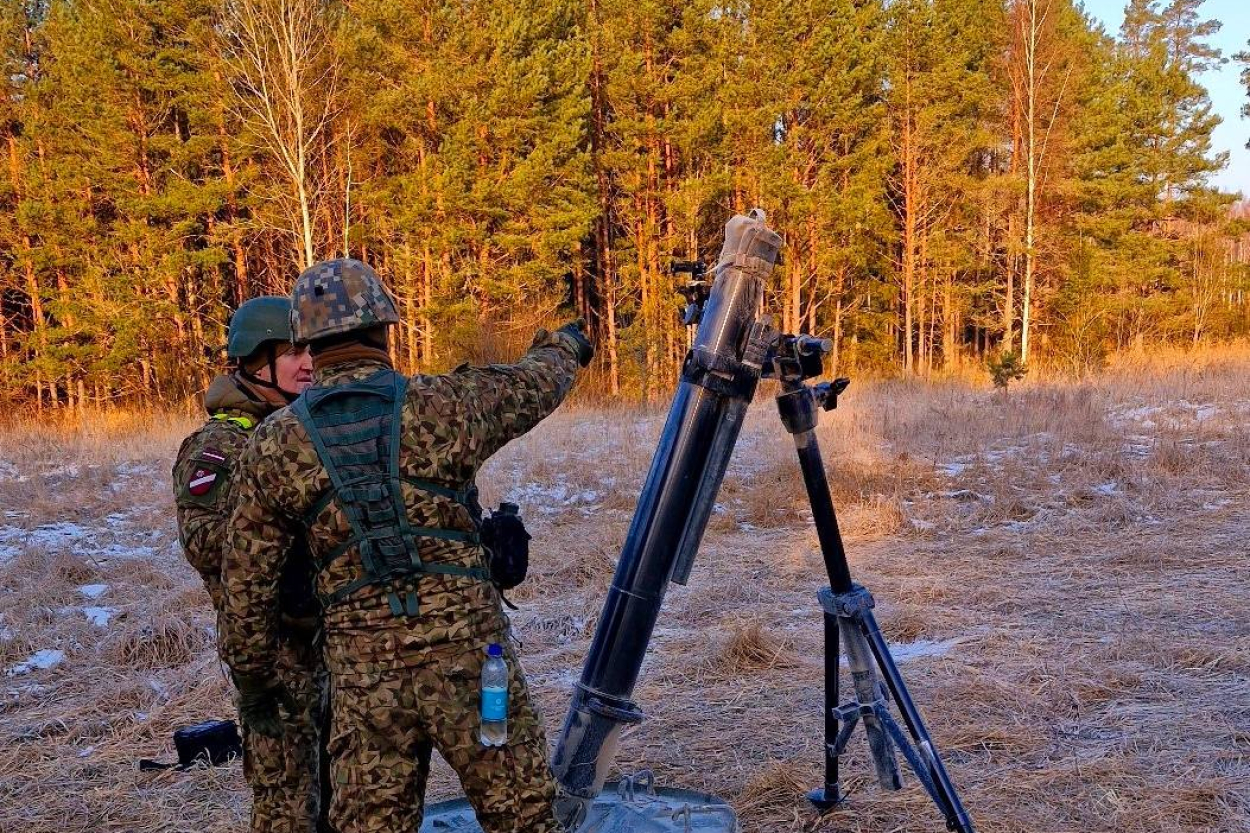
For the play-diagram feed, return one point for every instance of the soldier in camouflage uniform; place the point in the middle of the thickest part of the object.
(269, 372)
(379, 469)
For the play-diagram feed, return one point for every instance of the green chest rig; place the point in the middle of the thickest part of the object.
(355, 429)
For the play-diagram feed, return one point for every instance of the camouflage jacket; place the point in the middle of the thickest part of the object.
(204, 478)
(451, 424)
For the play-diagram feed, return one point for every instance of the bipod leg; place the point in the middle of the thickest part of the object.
(849, 605)
(932, 773)
(830, 795)
(871, 697)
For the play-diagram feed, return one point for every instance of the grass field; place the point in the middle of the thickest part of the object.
(1064, 571)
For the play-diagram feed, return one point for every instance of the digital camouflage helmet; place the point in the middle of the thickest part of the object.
(339, 296)
(257, 322)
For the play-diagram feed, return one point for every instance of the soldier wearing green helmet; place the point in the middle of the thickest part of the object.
(268, 371)
(378, 470)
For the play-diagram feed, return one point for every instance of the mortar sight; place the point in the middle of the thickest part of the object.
(696, 269)
(696, 292)
(797, 358)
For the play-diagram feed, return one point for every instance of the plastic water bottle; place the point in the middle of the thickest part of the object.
(494, 697)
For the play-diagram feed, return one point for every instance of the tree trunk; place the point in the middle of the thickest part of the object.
(605, 270)
(1009, 301)
(910, 209)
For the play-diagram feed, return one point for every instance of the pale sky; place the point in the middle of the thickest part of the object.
(1224, 84)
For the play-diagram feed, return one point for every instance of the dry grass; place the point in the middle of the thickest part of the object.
(1064, 568)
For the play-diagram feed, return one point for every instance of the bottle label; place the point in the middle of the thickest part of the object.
(494, 704)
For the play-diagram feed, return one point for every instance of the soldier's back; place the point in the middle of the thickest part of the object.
(436, 464)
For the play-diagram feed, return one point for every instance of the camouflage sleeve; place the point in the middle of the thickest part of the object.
(202, 499)
(507, 400)
(200, 532)
(261, 537)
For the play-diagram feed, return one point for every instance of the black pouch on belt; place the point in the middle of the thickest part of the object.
(508, 544)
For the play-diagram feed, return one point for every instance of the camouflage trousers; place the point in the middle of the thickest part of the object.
(387, 723)
(289, 776)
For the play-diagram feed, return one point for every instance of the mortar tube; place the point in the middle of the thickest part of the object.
(670, 519)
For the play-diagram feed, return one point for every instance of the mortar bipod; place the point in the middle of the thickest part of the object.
(848, 610)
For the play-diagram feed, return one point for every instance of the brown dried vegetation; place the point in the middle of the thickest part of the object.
(1064, 568)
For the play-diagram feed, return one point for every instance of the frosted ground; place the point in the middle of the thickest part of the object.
(1063, 571)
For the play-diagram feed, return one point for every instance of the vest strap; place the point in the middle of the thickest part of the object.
(347, 425)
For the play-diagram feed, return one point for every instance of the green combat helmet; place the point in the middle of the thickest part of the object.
(257, 322)
(339, 296)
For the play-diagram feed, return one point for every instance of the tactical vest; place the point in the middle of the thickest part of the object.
(355, 429)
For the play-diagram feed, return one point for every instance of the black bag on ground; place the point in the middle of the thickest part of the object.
(508, 545)
(215, 742)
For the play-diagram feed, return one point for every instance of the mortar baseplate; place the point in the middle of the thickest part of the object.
(631, 805)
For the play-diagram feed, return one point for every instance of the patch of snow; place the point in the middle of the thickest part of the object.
(922, 525)
(86, 752)
(1109, 488)
(1136, 414)
(548, 497)
(134, 469)
(921, 648)
(532, 493)
(953, 469)
(40, 660)
(93, 591)
(1205, 412)
(122, 552)
(67, 470)
(57, 534)
(48, 536)
(967, 496)
(99, 616)
(6, 634)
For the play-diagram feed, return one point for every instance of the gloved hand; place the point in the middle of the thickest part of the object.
(585, 350)
(260, 699)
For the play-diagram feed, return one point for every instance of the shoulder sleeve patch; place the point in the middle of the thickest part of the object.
(202, 482)
(202, 478)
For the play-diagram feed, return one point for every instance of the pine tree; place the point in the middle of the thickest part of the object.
(664, 179)
(475, 181)
(941, 108)
(813, 125)
(949, 178)
(1142, 166)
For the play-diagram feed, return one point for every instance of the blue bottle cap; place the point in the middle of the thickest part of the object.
(494, 650)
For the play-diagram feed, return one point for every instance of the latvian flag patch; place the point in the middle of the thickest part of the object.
(202, 481)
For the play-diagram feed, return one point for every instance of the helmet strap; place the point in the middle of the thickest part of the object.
(271, 361)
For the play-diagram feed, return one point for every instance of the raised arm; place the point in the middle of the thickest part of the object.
(504, 401)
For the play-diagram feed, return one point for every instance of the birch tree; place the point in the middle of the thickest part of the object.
(285, 79)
